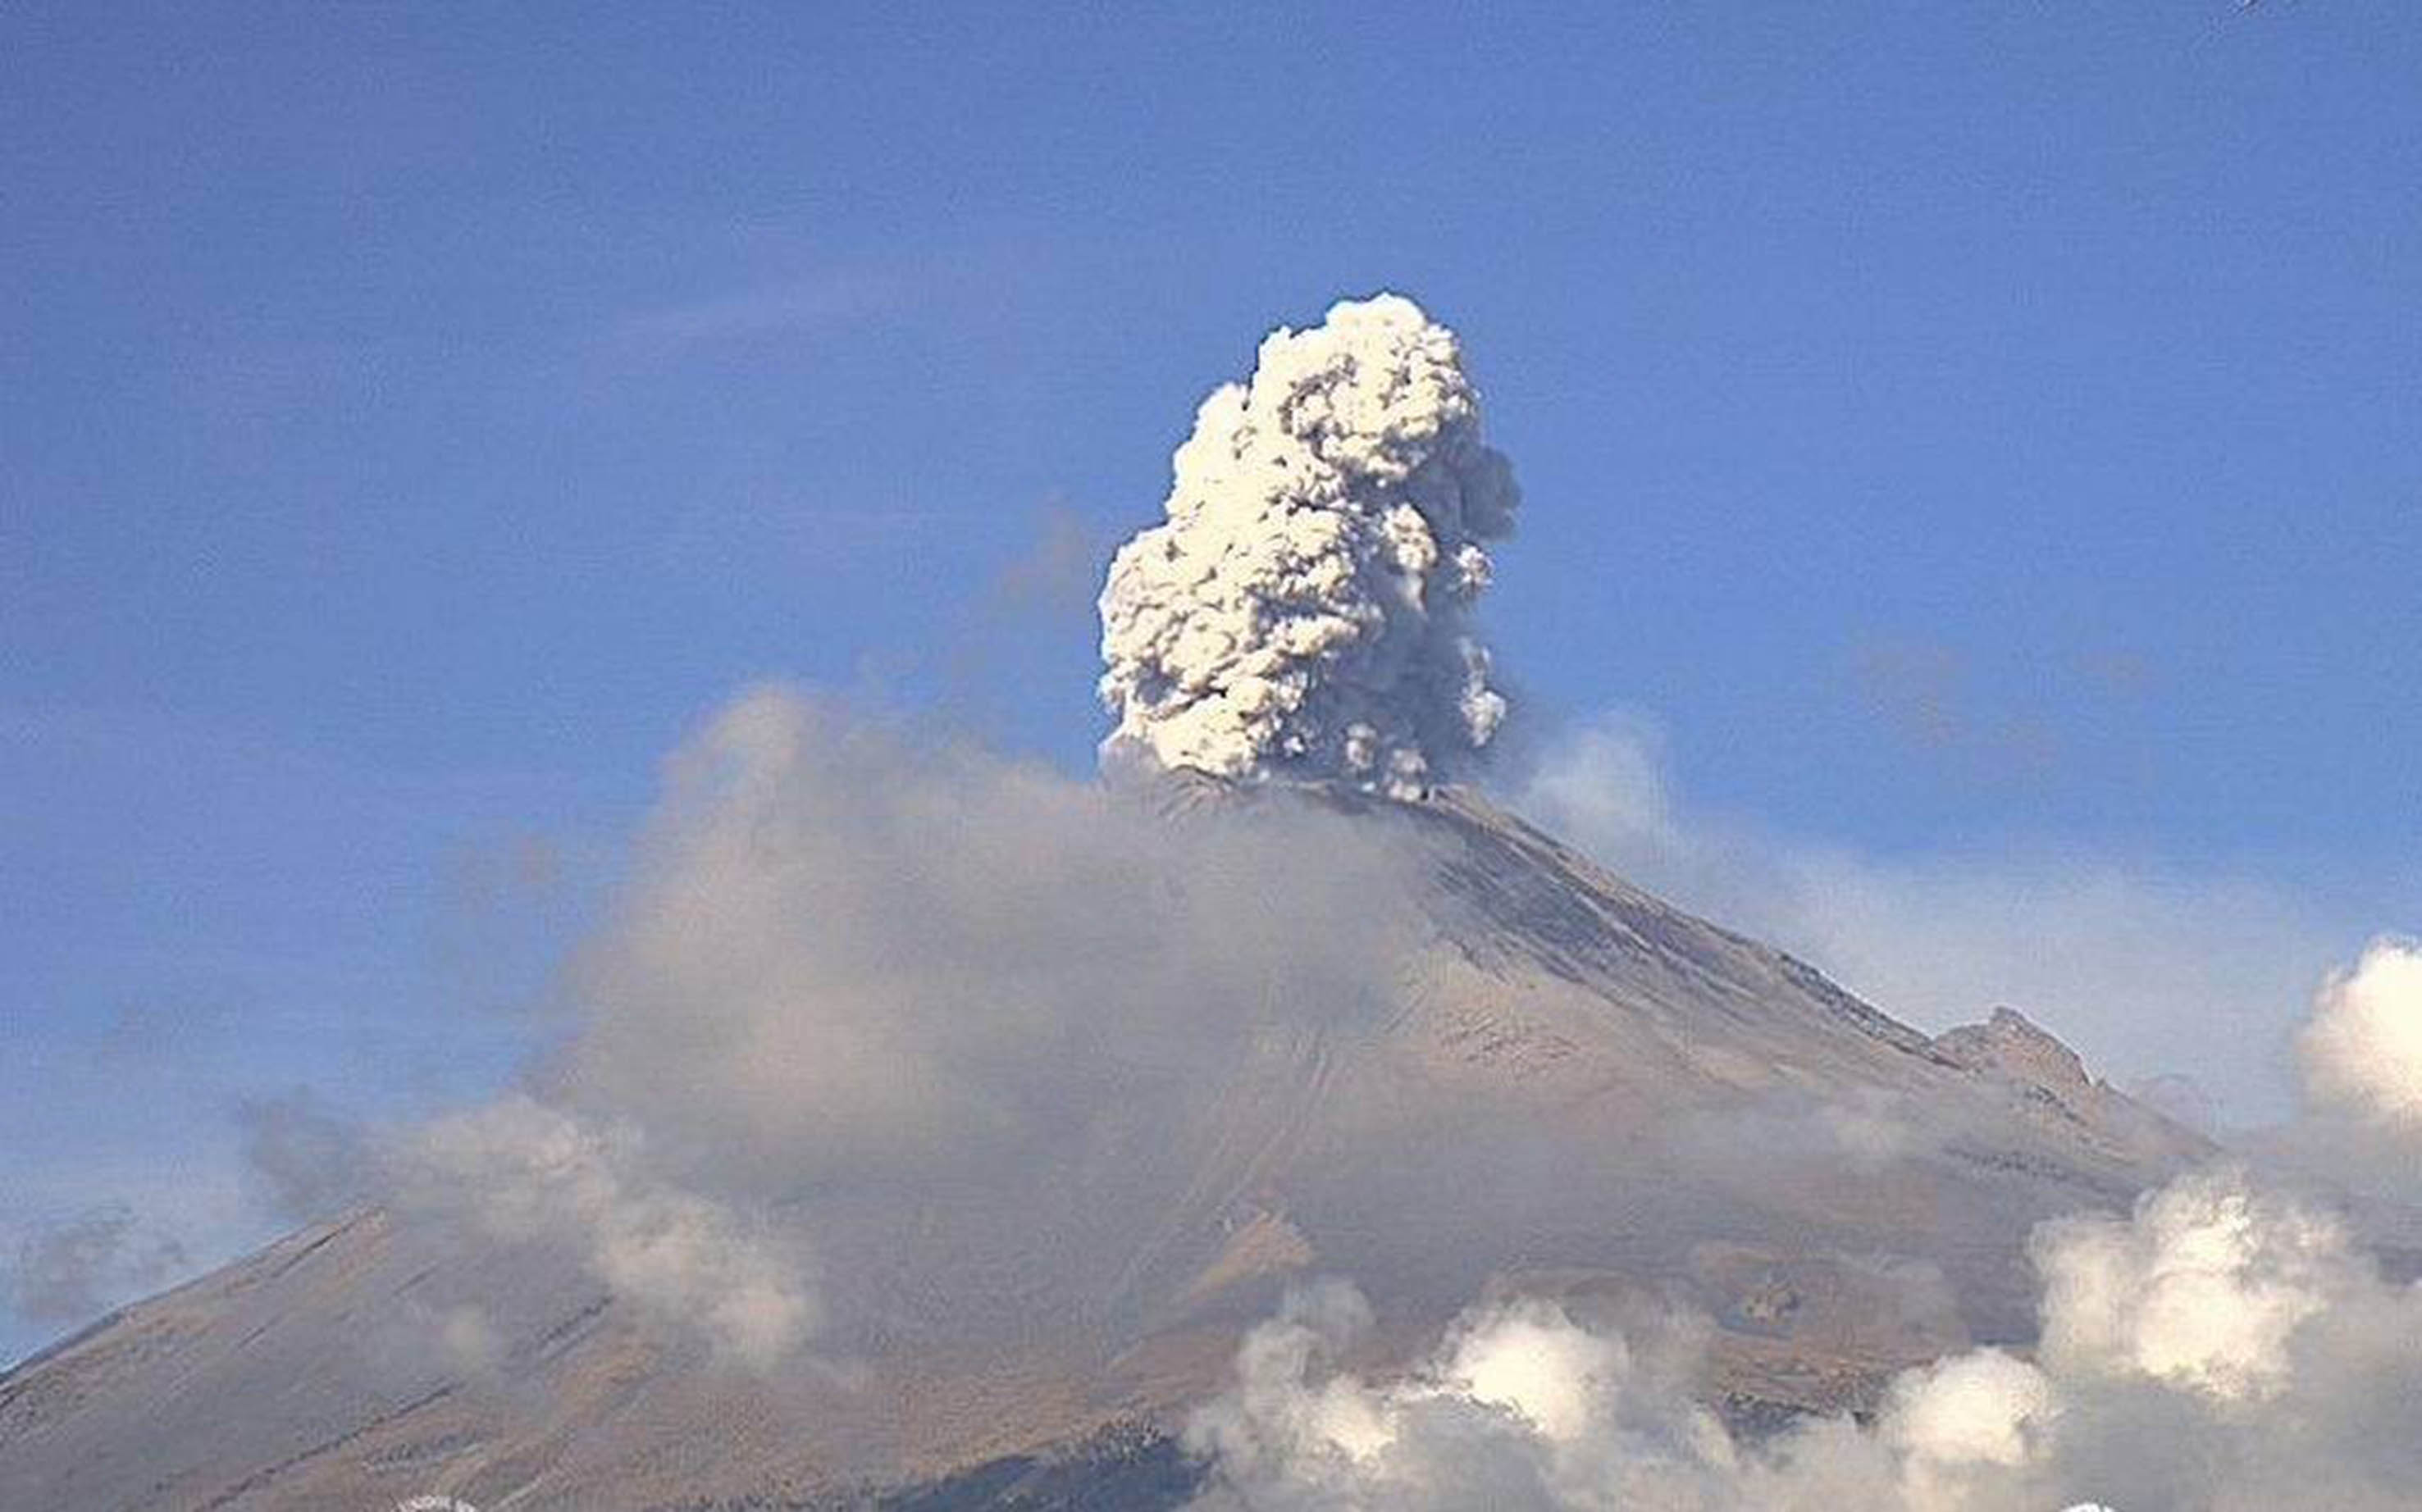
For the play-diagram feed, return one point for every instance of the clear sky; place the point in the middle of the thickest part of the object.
(1955, 431)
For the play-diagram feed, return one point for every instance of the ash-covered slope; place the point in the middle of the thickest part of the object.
(1569, 1086)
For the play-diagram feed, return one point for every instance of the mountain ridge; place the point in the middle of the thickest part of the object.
(1575, 1088)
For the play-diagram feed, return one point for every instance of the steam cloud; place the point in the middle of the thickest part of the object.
(2224, 1349)
(1305, 612)
(2227, 1347)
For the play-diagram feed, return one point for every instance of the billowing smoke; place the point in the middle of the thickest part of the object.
(1306, 611)
(866, 991)
(851, 958)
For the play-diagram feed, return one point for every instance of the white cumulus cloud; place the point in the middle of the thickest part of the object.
(2363, 1047)
(2204, 1289)
(2222, 1348)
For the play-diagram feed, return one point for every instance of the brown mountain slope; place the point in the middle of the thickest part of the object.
(1571, 1085)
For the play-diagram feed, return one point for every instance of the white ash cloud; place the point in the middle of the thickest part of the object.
(1305, 612)
(521, 1172)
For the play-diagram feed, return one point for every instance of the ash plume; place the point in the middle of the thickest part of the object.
(1305, 612)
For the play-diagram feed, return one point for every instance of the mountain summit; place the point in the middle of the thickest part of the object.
(1563, 1085)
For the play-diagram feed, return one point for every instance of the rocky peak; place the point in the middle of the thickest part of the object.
(2009, 1044)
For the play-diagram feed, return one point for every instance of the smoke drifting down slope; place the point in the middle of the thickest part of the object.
(1306, 609)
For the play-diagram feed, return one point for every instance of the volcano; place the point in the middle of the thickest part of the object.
(1569, 1088)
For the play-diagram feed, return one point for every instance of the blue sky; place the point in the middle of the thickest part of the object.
(1957, 431)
